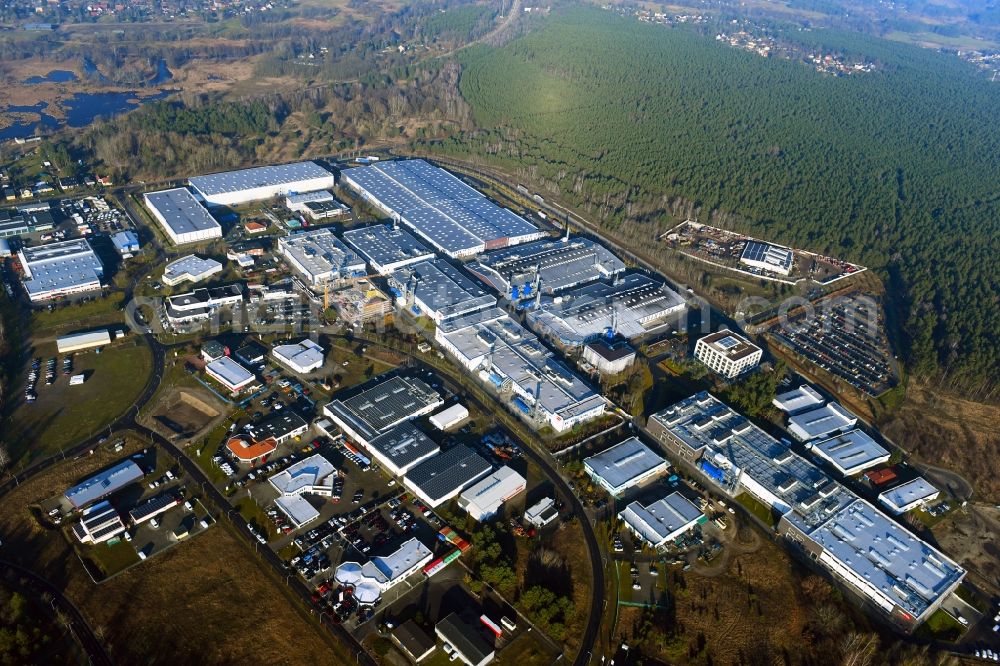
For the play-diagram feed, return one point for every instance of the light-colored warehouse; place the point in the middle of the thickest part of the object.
(189, 268)
(320, 257)
(625, 465)
(484, 499)
(232, 188)
(60, 269)
(181, 216)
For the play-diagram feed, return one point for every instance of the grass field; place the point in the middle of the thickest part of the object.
(65, 414)
(940, 626)
(43, 321)
(111, 558)
(192, 604)
(756, 508)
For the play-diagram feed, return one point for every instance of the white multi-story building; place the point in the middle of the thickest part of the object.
(727, 353)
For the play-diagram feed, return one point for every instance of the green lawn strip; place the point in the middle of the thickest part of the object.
(43, 320)
(940, 626)
(756, 508)
(254, 514)
(112, 557)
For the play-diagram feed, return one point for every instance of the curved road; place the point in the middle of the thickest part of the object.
(77, 624)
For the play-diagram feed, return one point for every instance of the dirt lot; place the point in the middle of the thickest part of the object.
(193, 604)
(949, 432)
(970, 535)
(187, 412)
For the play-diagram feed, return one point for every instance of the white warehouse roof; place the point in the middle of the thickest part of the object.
(229, 182)
(302, 357)
(449, 417)
(852, 452)
(485, 497)
(820, 422)
(909, 495)
(181, 212)
(625, 464)
(663, 520)
(190, 268)
(800, 399)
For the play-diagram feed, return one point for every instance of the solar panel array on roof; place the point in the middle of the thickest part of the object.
(386, 247)
(382, 406)
(452, 216)
(447, 473)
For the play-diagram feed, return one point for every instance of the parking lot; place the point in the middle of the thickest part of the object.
(844, 337)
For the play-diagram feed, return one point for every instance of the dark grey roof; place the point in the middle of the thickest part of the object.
(464, 638)
(403, 444)
(413, 639)
(373, 410)
(448, 471)
(181, 211)
(277, 426)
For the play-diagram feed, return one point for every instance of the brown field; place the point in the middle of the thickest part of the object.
(187, 412)
(205, 601)
(724, 618)
(970, 535)
(947, 431)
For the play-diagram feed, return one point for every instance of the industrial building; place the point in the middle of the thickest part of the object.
(727, 353)
(850, 453)
(908, 496)
(324, 210)
(126, 242)
(438, 290)
(78, 341)
(767, 257)
(189, 268)
(302, 357)
(454, 218)
(313, 475)
(372, 579)
(625, 465)
(60, 269)
(248, 450)
(297, 202)
(320, 257)
(542, 514)
(820, 422)
(450, 417)
(465, 640)
(524, 372)
(663, 521)
(484, 499)
(413, 641)
(798, 400)
(387, 247)
(401, 448)
(898, 573)
(281, 426)
(442, 477)
(153, 507)
(98, 524)
(548, 266)
(102, 484)
(385, 404)
(24, 223)
(232, 188)
(230, 374)
(201, 303)
(360, 302)
(610, 358)
(181, 216)
(630, 306)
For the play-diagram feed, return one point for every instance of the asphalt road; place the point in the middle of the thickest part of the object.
(77, 625)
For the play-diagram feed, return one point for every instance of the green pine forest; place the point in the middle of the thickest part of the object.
(898, 170)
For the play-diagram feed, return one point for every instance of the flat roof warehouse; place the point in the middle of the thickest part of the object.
(181, 212)
(391, 401)
(248, 179)
(453, 217)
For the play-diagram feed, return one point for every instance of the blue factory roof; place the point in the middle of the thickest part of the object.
(104, 483)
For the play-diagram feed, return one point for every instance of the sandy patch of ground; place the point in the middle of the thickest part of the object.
(970, 536)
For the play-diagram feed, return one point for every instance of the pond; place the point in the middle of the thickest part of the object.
(55, 76)
(81, 110)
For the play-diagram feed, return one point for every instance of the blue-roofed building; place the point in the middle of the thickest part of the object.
(103, 484)
(126, 242)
